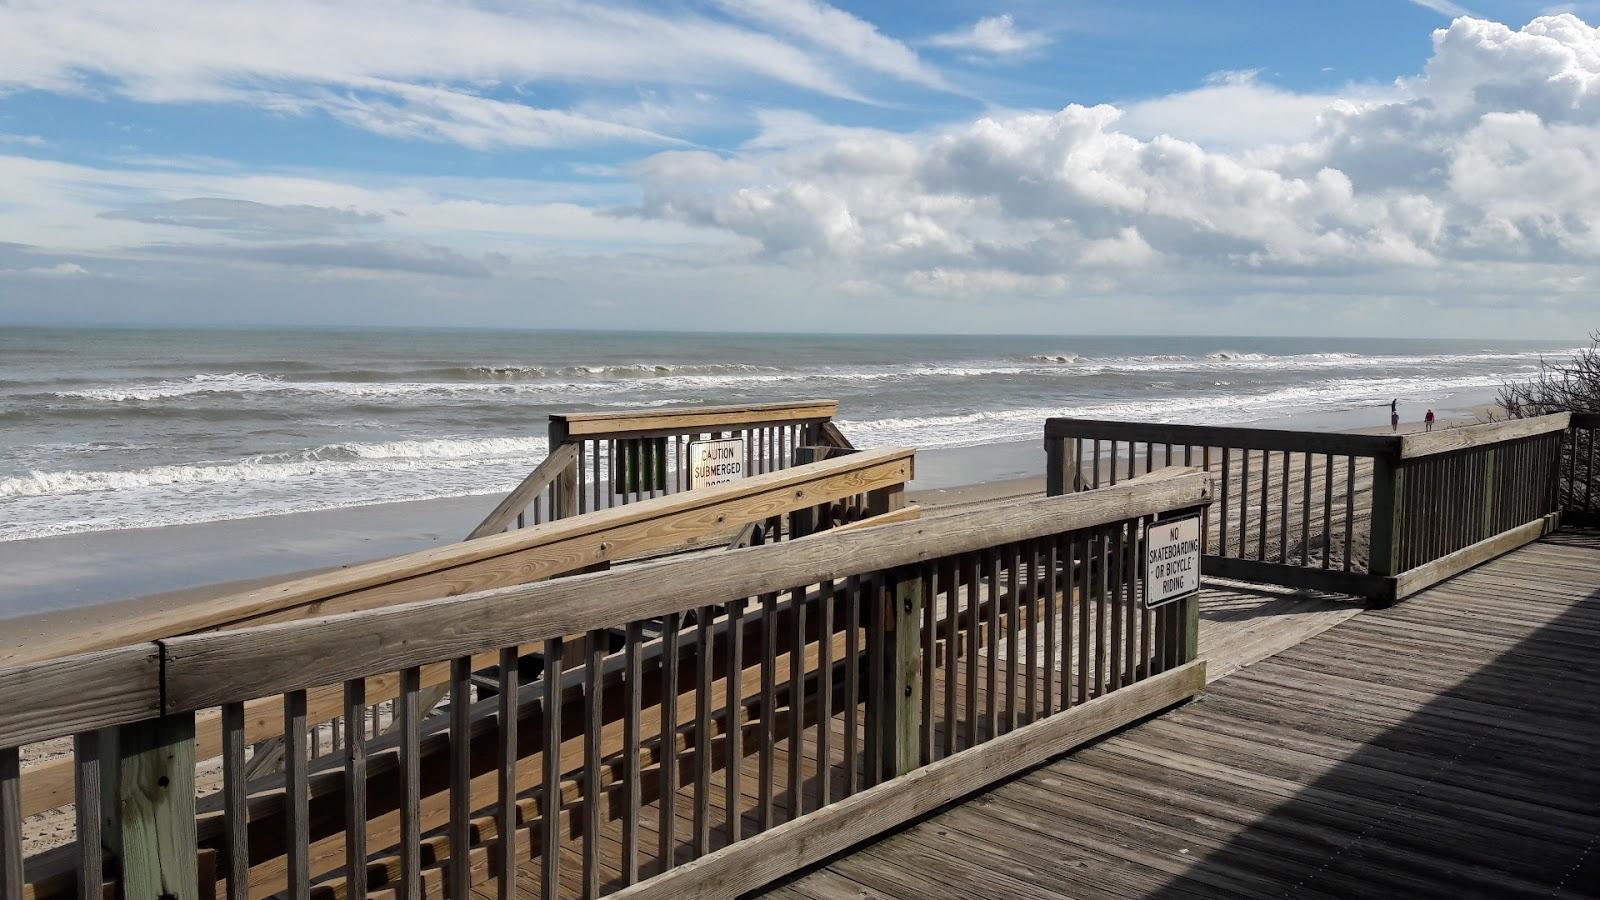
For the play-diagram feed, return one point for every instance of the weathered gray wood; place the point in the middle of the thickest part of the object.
(87, 815)
(903, 703)
(355, 785)
(759, 860)
(550, 788)
(1378, 588)
(1338, 443)
(460, 762)
(733, 710)
(1446, 440)
(10, 823)
(1431, 573)
(235, 812)
(594, 652)
(156, 787)
(298, 825)
(1388, 516)
(797, 706)
(689, 419)
(45, 700)
(506, 795)
(409, 714)
(210, 669)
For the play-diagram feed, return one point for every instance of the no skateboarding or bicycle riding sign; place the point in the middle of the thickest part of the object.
(1171, 560)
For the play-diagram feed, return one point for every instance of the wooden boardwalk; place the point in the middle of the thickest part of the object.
(1446, 747)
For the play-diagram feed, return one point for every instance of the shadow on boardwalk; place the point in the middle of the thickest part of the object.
(1489, 788)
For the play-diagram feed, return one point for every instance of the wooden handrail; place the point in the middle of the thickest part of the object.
(1338, 443)
(541, 477)
(680, 419)
(1463, 437)
(209, 669)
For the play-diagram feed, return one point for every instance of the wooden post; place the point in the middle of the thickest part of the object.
(886, 499)
(898, 722)
(1388, 512)
(566, 494)
(1487, 529)
(1055, 468)
(155, 792)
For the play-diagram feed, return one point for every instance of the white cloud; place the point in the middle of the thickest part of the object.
(840, 32)
(994, 35)
(425, 68)
(1490, 157)
(1443, 7)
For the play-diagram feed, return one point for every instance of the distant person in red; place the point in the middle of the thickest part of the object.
(1427, 420)
(1394, 421)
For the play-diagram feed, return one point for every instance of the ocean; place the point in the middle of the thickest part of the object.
(114, 429)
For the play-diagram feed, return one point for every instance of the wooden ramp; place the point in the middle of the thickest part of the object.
(1445, 747)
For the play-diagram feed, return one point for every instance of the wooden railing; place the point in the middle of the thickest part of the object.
(1377, 516)
(723, 721)
(866, 482)
(601, 460)
(1580, 470)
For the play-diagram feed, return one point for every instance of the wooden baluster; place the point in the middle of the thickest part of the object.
(1131, 469)
(1085, 629)
(1146, 619)
(974, 637)
(1095, 473)
(1283, 514)
(1349, 508)
(355, 780)
(10, 823)
(704, 669)
(1101, 587)
(1113, 600)
(952, 650)
(1222, 508)
(825, 631)
(930, 656)
(797, 705)
(667, 824)
(506, 797)
(873, 609)
(87, 812)
(852, 677)
(733, 796)
(460, 869)
(1327, 510)
(1244, 500)
(550, 787)
(1063, 585)
(410, 715)
(769, 706)
(1113, 464)
(1132, 600)
(1266, 488)
(991, 681)
(594, 653)
(1030, 598)
(296, 816)
(1012, 607)
(1048, 584)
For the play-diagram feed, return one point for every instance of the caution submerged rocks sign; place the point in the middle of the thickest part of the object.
(715, 462)
(1171, 560)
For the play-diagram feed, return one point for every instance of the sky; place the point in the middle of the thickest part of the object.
(1366, 167)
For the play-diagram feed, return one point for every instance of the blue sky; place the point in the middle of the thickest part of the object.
(1164, 166)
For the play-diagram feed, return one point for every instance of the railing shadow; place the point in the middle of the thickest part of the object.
(1489, 789)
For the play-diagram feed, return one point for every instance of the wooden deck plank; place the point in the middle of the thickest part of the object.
(1443, 747)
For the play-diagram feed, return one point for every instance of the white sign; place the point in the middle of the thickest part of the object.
(715, 462)
(1171, 561)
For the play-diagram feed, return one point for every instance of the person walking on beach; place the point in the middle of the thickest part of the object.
(1394, 420)
(1427, 421)
(1394, 406)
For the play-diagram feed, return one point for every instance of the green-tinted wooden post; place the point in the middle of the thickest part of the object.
(1388, 485)
(155, 791)
(902, 660)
